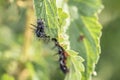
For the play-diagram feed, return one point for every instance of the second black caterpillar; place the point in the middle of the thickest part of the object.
(62, 56)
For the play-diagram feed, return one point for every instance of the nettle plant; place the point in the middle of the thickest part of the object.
(73, 26)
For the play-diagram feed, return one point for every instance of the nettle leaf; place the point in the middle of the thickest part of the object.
(75, 66)
(83, 36)
(87, 32)
(55, 19)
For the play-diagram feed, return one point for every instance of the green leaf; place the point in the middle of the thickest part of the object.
(75, 66)
(88, 31)
(79, 17)
(55, 19)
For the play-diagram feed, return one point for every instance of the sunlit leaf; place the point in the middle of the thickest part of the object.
(58, 17)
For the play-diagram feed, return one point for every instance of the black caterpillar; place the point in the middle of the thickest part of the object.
(63, 56)
(40, 29)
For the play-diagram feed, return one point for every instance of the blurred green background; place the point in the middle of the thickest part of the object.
(108, 67)
(17, 43)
